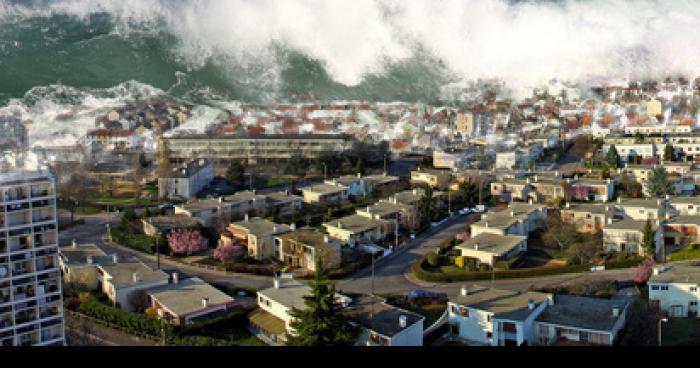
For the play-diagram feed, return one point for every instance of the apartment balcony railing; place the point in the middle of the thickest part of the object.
(40, 193)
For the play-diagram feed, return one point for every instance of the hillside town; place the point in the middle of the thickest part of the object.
(554, 220)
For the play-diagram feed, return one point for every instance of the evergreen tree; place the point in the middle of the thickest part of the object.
(234, 173)
(426, 206)
(648, 239)
(321, 323)
(669, 153)
(658, 184)
(612, 157)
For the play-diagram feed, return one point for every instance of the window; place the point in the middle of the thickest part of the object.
(654, 287)
(464, 312)
(693, 303)
(664, 288)
(489, 334)
(693, 289)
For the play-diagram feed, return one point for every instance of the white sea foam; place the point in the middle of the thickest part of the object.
(523, 43)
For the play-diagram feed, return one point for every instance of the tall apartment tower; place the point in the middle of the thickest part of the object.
(31, 302)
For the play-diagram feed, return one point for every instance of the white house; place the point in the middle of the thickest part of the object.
(485, 316)
(120, 280)
(186, 181)
(674, 289)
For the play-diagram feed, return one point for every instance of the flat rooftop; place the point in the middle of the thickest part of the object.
(679, 273)
(376, 315)
(122, 273)
(505, 304)
(491, 243)
(583, 312)
(261, 227)
(354, 223)
(324, 188)
(186, 296)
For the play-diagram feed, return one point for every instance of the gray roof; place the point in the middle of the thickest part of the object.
(261, 227)
(244, 196)
(383, 208)
(583, 312)
(376, 315)
(77, 256)
(291, 294)
(504, 304)
(354, 223)
(309, 237)
(492, 243)
(282, 197)
(324, 188)
(588, 208)
(679, 273)
(173, 222)
(685, 200)
(509, 216)
(186, 296)
(640, 202)
(627, 224)
(685, 220)
(122, 273)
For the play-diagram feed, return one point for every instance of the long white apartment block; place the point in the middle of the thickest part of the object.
(31, 302)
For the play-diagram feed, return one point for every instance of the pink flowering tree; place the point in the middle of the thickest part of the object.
(228, 251)
(187, 242)
(643, 272)
(650, 161)
(580, 192)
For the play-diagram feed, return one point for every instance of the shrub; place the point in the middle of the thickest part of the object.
(133, 323)
(433, 259)
(459, 262)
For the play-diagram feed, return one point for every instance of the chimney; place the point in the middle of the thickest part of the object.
(326, 239)
(610, 221)
(476, 246)
(246, 217)
(367, 209)
(512, 213)
(464, 291)
(136, 277)
(74, 244)
(556, 173)
(657, 270)
(529, 201)
(568, 205)
(253, 191)
(658, 202)
(530, 304)
(292, 226)
(658, 222)
(114, 258)
(275, 228)
(359, 175)
(527, 180)
(550, 300)
(176, 278)
(619, 199)
(276, 282)
(221, 199)
(402, 321)
(486, 224)
(609, 181)
(205, 302)
(616, 311)
(415, 191)
(668, 197)
(89, 259)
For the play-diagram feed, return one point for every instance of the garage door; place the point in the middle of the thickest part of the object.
(676, 311)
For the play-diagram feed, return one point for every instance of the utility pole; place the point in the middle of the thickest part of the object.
(158, 251)
(396, 234)
(385, 164)
(325, 171)
(372, 291)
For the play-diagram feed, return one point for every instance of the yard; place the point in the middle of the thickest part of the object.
(685, 254)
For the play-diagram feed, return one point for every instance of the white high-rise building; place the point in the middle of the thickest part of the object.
(31, 303)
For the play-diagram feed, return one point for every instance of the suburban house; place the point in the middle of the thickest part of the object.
(628, 235)
(413, 197)
(601, 190)
(245, 202)
(380, 181)
(384, 324)
(577, 320)
(257, 234)
(325, 193)
(356, 184)
(490, 248)
(486, 316)
(107, 139)
(510, 189)
(355, 229)
(547, 188)
(271, 321)
(517, 219)
(120, 280)
(208, 210)
(186, 181)
(641, 208)
(674, 289)
(302, 247)
(78, 263)
(640, 173)
(685, 205)
(588, 218)
(164, 225)
(393, 213)
(682, 230)
(283, 203)
(431, 177)
(188, 301)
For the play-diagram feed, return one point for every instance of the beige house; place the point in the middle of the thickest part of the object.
(685, 205)
(302, 247)
(434, 178)
(208, 210)
(355, 229)
(588, 218)
(189, 301)
(641, 209)
(257, 234)
(464, 124)
(628, 236)
(120, 280)
(512, 189)
(78, 263)
(393, 213)
(325, 193)
(490, 248)
(517, 219)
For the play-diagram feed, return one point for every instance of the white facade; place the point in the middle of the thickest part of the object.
(31, 304)
(678, 296)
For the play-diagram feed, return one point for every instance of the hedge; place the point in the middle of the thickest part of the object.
(139, 324)
(419, 271)
(627, 263)
(142, 243)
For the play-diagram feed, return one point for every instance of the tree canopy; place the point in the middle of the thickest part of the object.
(658, 184)
(612, 157)
(234, 173)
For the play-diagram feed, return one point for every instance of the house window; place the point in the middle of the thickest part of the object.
(455, 310)
(664, 288)
(693, 303)
(489, 335)
(693, 289)
(464, 312)
(654, 287)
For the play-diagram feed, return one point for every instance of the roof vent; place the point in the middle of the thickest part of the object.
(568, 205)
(246, 217)
(115, 258)
(610, 221)
(176, 278)
(616, 311)
(205, 302)
(464, 291)
(476, 246)
(619, 199)
(326, 239)
(512, 213)
(74, 244)
(529, 201)
(89, 260)
(136, 277)
(403, 321)
(530, 304)
(292, 226)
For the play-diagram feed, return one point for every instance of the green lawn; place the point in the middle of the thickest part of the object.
(680, 331)
(684, 254)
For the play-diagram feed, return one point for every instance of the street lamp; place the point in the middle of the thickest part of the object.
(158, 251)
(662, 320)
(109, 233)
(251, 180)
(161, 315)
(385, 173)
(325, 170)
